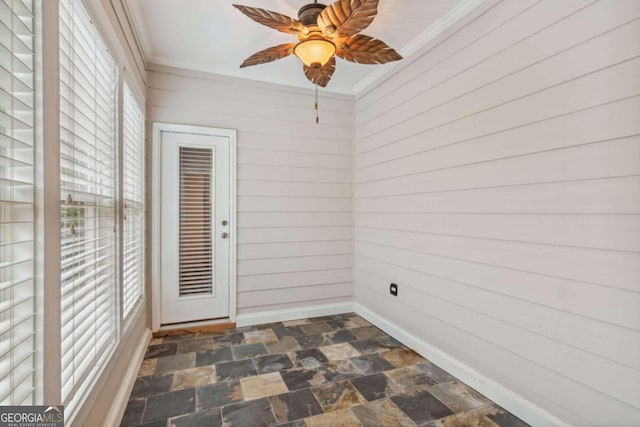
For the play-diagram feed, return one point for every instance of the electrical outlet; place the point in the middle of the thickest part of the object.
(393, 289)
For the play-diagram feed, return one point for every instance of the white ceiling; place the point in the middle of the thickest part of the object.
(212, 36)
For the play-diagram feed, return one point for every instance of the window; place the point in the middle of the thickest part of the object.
(195, 275)
(133, 154)
(17, 136)
(88, 99)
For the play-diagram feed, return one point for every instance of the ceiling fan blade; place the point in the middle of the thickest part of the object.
(366, 50)
(347, 17)
(320, 75)
(269, 54)
(274, 20)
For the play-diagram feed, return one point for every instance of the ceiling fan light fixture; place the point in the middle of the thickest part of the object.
(324, 33)
(315, 51)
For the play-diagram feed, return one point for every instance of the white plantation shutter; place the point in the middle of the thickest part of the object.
(17, 326)
(133, 251)
(195, 274)
(88, 87)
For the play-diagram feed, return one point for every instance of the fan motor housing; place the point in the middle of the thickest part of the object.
(308, 14)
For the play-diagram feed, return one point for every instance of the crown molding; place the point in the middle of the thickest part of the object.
(434, 30)
(185, 69)
(133, 12)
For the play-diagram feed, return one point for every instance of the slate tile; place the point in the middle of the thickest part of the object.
(382, 413)
(295, 405)
(264, 385)
(311, 358)
(411, 378)
(175, 363)
(348, 323)
(177, 338)
(133, 413)
(297, 423)
(157, 423)
(341, 418)
(161, 350)
(209, 418)
(200, 344)
(339, 370)
(368, 346)
(367, 332)
(505, 419)
(296, 322)
(147, 368)
(272, 363)
(339, 351)
(346, 315)
(233, 370)
(389, 342)
(284, 345)
(316, 328)
(376, 386)
(248, 351)
(288, 331)
(458, 396)
(421, 406)
(434, 373)
(312, 341)
(218, 394)
(214, 334)
(271, 325)
(402, 357)
(329, 353)
(254, 413)
(338, 395)
(260, 336)
(322, 318)
(489, 415)
(244, 329)
(211, 357)
(371, 363)
(235, 338)
(338, 323)
(170, 404)
(298, 378)
(193, 377)
(341, 336)
(155, 384)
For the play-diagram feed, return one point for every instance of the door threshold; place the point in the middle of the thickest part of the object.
(217, 325)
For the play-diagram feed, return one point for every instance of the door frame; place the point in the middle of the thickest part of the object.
(156, 235)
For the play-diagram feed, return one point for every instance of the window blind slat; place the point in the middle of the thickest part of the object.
(88, 88)
(17, 118)
(195, 273)
(133, 172)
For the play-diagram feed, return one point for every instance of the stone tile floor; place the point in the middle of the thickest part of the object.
(332, 371)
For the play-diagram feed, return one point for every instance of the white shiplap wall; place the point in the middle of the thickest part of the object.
(294, 183)
(497, 181)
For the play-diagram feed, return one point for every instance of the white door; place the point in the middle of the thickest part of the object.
(195, 208)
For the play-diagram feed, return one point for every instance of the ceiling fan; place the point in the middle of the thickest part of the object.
(323, 32)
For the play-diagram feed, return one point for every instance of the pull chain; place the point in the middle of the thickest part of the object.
(316, 106)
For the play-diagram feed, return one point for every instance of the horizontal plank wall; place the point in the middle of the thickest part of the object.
(295, 224)
(497, 182)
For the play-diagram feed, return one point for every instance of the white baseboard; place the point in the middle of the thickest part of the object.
(121, 398)
(501, 395)
(250, 319)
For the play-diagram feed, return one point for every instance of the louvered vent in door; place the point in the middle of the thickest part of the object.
(196, 243)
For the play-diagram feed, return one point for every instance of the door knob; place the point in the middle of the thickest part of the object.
(224, 235)
(225, 222)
